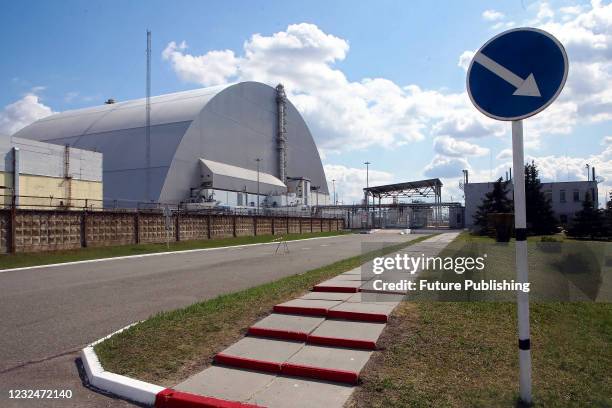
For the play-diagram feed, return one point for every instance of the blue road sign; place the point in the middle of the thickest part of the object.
(517, 74)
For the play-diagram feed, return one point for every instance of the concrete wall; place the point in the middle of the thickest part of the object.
(26, 230)
(564, 210)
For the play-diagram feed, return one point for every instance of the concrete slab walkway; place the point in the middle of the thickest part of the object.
(310, 350)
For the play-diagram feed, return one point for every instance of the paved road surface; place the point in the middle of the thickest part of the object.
(49, 314)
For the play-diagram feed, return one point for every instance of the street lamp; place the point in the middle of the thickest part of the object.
(258, 160)
(367, 182)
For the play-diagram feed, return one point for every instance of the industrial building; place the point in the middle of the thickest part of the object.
(219, 146)
(396, 212)
(40, 175)
(565, 197)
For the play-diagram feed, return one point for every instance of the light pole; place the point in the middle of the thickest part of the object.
(367, 181)
(258, 160)
(334, 187)
(367, 195)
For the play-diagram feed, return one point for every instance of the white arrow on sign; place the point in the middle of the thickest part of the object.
(524, 87)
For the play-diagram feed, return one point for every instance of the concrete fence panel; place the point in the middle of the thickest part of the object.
(264, 226)
(108, 228)
(244, 226)
(26, 230)
(193, 227)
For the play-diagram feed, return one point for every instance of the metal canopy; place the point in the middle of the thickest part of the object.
(420, 188)
(224, 176)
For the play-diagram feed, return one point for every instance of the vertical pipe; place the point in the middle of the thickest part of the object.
(520, 224)
(148, 122)
(16, 171)
(281, 99)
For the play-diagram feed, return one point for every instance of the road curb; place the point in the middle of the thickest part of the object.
(179, 252)
(143, 392)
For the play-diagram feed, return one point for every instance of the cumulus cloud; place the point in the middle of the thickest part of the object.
(343, 114)
(351, 181)
(21, 113)
(445, 167)
(212, 68)
(505, 154)
(464, 59)
(356, 114)
(607, 141)
(448, 146)
(492, 15)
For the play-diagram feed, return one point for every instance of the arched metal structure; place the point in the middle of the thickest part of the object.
(231, 125)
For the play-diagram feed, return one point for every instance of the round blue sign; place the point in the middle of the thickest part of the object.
(517, 74)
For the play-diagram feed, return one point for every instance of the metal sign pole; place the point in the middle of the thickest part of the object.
(522, 272)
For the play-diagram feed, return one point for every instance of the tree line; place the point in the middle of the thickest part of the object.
(590, 222)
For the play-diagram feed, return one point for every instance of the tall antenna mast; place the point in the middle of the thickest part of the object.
(148, 121)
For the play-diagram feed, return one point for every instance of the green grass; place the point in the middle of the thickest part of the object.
(460, 354)
(45, 258)
(170, 346)
(565, 270)
(465, 354)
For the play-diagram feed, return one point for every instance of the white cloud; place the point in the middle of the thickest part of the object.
(351, 181)
(342, 114)
(545, 12)
(505, 154)
(367, 112)
(492, 15)
(607, 141)
(571, 10)
(467, 122)
(448, 146)
(212, 68)
(464, 59)
(21, 113)
(445, 167)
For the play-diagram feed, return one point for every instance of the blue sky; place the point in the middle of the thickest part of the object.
(356, 62)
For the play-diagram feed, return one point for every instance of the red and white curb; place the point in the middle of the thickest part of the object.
(144, 392)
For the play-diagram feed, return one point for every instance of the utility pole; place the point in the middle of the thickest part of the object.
(148, 122)
(367, 194)
(258, 160)
(334, 187)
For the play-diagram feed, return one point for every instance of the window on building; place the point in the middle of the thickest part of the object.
(562, 196)
(576, 196)
(548, 195)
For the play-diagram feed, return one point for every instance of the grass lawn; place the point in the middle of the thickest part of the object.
(43, 258)
(170, 346)
(566, 270)
(461, 354)
(465, 354)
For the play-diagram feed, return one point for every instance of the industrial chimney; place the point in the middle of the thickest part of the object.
(281, 101)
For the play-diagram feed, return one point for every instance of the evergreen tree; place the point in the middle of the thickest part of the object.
(608, 216)
(495, 201)
(540, 217)
(588, 222)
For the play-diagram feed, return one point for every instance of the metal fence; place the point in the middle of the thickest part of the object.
(87, 204)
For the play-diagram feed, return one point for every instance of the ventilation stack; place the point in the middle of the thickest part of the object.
(281, 102)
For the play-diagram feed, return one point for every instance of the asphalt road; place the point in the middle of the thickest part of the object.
(47, 315)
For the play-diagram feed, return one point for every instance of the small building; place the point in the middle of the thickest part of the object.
(565, 197)
(40, 175)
